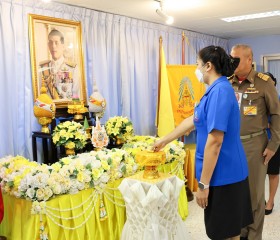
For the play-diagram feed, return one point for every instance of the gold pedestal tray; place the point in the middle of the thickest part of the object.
(78, 109)
(150, 160)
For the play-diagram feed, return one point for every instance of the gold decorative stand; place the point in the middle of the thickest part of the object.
(150, 160)
(77, 108)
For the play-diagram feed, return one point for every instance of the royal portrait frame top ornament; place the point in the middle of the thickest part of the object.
(57, 57)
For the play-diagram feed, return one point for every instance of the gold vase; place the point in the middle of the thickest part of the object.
(45, 121)
(119, 140)
(70, 151)
(88, 132)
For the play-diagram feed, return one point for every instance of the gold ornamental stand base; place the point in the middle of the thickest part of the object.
(88, 132)
(69, 151)
(45, 121)
(151, 172)
(78, 117)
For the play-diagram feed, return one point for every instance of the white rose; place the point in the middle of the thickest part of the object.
(40, 194)
(56, 189)
(30, 193)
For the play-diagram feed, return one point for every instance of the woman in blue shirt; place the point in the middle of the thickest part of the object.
(221, 166)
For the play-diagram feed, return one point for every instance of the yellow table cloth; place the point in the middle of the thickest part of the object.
(72, 220)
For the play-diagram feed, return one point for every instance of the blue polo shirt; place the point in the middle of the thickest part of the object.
(218, 109)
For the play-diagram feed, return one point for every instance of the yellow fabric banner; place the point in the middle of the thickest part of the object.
(165, 113)
(185, 90)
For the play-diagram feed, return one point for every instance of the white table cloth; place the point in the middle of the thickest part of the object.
(152, 208)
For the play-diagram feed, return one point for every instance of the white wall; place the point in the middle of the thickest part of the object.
(262, 45)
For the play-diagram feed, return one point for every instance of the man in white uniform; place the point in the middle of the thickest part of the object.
(61, 76)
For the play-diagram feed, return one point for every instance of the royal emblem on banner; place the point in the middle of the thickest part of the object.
(185, 90)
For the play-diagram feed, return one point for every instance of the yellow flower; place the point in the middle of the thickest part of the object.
(96, 173)
(119, 126)
(8, 171)
(80, 177)
(56, 166)
(66, 124)
(62, 132)
(72, 128)
(105, 165)
(66, 160)
(17, 180)
(70, 145)
(129, 128)
(56, 138)
(67, 132)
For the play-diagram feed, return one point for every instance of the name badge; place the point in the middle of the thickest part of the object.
(250, 110)
(238, 96)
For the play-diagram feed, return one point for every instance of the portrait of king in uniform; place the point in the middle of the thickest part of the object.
(61, 76)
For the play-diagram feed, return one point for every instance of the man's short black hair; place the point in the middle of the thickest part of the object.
(55, 32)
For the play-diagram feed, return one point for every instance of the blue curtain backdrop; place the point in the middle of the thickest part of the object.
(120, 55)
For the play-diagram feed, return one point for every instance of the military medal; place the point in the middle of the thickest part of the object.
(245, 96)
(251, 89)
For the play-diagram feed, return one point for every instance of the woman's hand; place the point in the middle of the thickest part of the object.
(159, 144)
(202, 197)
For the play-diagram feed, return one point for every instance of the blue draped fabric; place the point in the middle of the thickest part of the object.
(120, 55)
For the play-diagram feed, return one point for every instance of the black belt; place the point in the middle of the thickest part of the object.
(252, 135)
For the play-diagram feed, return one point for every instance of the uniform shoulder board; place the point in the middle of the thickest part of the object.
(263, 76)
(71, 64)
(44, 62)
(230, 77)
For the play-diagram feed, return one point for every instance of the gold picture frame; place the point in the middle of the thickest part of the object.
(57, 59)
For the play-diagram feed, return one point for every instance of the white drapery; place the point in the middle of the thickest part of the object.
(120, 55)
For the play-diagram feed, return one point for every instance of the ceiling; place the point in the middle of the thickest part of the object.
(197, 15)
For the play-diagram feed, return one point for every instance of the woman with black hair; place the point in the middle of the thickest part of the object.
(221, 166)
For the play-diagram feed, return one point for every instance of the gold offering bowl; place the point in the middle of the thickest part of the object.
(45, 121)
(150, 160)
(77, 108)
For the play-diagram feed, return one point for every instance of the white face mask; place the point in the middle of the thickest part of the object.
(199, 75)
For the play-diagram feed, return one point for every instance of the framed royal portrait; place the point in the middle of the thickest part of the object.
(57, 59)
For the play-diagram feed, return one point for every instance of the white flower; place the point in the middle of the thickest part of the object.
(40, 194)
(56, 189)
(30, 193)
(104, 178)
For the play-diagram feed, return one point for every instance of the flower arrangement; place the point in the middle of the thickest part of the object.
(12, 171)
(120, 127)
(39, 182)
(35, 182)
(69, 134)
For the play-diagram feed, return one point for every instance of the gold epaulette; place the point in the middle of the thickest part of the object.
(44, 62)
(71, 64)
(263, 76)
(230, 78)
